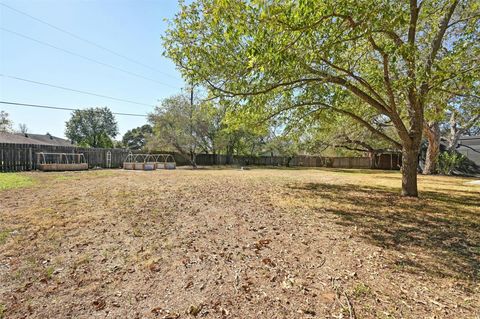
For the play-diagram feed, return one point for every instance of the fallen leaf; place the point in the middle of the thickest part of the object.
(99, 304)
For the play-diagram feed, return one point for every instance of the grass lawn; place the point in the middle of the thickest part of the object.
(14, 180)
(226, 243)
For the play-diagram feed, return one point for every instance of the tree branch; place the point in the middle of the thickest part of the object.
(386, 73)
(369, 127)
(436, 44)
(358, 78)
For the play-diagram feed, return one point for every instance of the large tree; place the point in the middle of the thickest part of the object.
(387, 54)
(136, 138)
(92, 127)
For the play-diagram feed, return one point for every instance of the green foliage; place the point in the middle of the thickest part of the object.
(258, 46)
(282, 58)
(180, 125)
(92, 127)
(449, 161)
(14, 180)
(136, 138)
(205, 126)
(118, 144)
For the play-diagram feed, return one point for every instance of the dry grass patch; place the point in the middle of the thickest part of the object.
(227, 243)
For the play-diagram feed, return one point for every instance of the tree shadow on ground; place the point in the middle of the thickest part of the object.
(439, 233)
(361, 171)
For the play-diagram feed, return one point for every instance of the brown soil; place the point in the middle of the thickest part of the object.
(262, 243)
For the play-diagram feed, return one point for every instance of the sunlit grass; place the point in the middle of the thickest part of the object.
(14, 180)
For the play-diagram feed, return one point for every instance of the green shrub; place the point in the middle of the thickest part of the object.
(448, 161)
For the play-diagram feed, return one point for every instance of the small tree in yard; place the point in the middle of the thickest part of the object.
(22, 128)
(5, 122)
(180, 124)
(93, 127)
(390, 55)
(448, 161)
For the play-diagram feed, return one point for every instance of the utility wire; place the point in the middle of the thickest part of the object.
(88, 41)
(63, 108)
(84, 57)
(75, 90)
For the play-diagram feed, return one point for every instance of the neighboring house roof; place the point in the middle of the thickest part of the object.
(16, 139)
(49, 139)
(39, 139)
(470, 140)
(470, 147)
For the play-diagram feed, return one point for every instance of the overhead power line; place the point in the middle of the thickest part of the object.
(88, 41)
(63, 108)
(75, 90)
(84, 57)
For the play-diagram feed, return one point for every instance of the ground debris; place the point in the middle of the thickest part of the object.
(222, 244)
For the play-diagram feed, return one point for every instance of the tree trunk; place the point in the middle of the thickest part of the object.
(432, 132)
(289, 159)
(409, 171)
(193, 159)
(229, 159)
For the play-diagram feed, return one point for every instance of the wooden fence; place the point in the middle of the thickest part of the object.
(380, 161)
(23, 157)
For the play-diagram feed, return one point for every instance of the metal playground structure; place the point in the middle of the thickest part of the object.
(149, 162)
(47, 161)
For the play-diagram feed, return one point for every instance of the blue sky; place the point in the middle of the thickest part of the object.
(130, 27)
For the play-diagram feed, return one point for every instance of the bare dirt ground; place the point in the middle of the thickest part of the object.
(262, 243)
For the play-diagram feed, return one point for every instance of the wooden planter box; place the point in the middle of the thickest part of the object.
(128, 166)
(150, 166)
(138, 166)
(170, 165)
(63, 167)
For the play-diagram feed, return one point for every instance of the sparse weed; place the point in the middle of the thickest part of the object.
(361, 289)
(4, 235)
(49, 272)
(2, 310)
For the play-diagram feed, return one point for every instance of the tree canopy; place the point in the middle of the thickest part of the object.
(389, 57)
(179, 125)
(136, 138)
(92, 127)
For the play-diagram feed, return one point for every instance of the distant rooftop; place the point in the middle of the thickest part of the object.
(470, 147)
(470, 140)
(27, 138)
